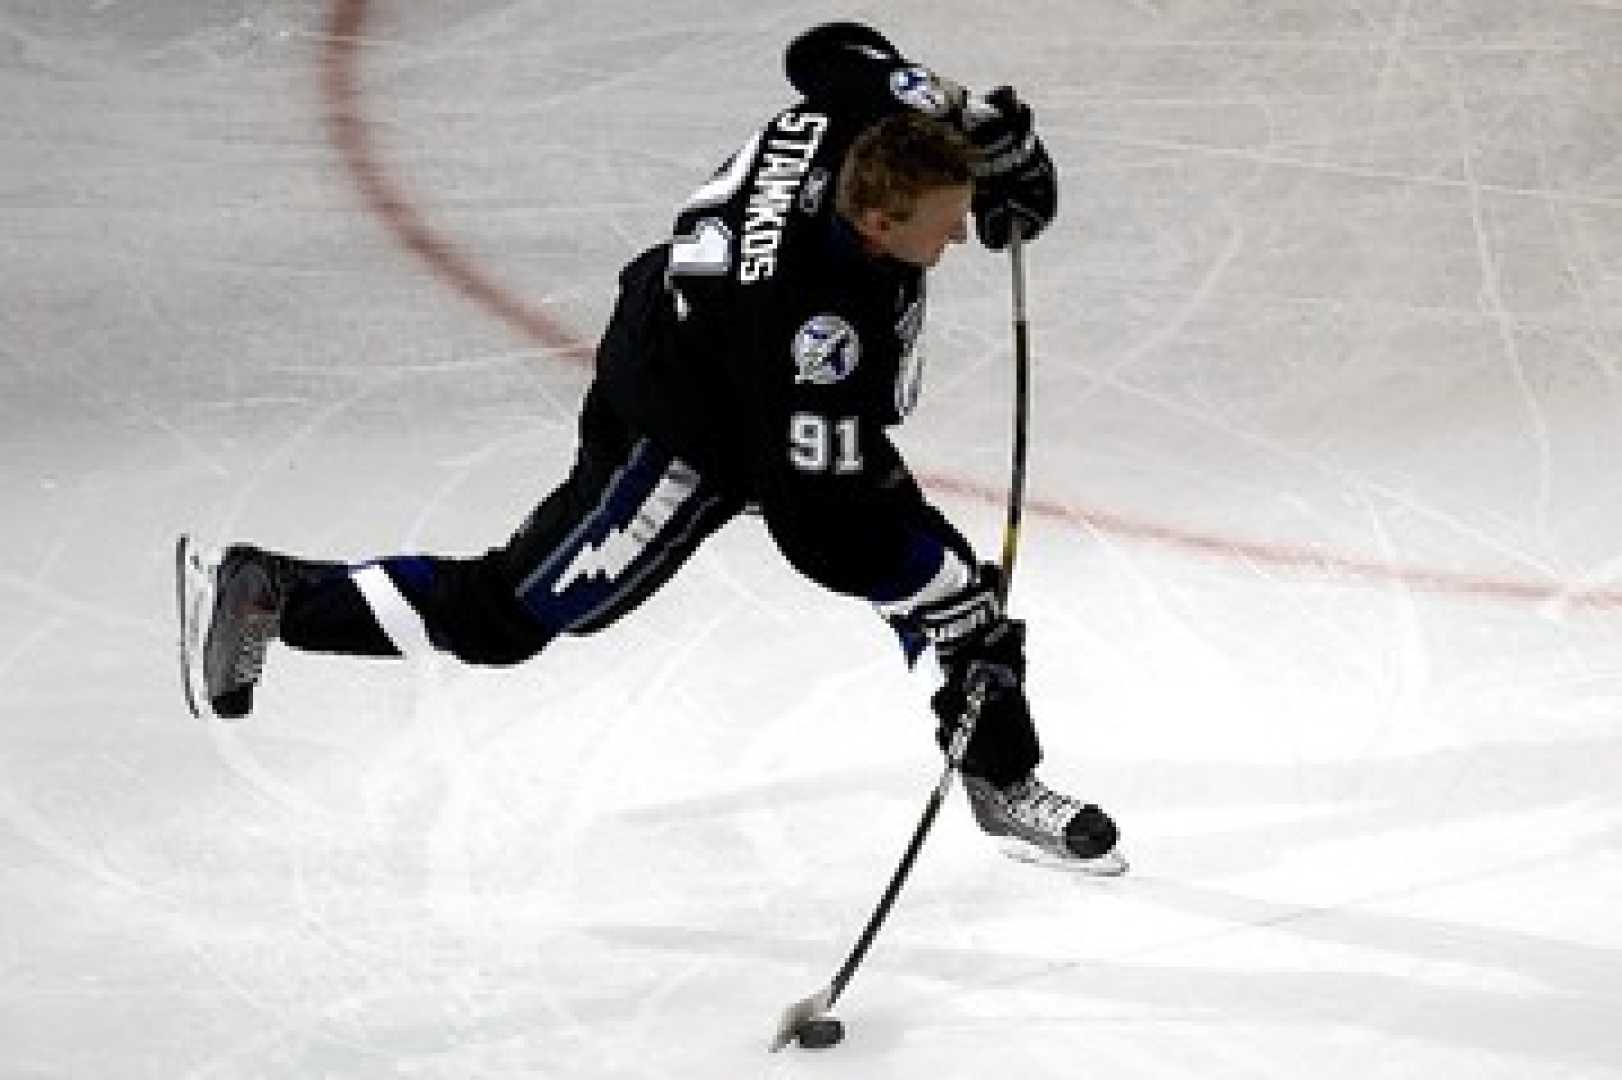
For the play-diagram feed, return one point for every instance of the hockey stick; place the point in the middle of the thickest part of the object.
(807, 1012)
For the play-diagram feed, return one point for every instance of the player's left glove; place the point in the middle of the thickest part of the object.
(1015, 180)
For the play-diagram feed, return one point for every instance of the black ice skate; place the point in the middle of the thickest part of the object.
(1040, 825)
(230, 610)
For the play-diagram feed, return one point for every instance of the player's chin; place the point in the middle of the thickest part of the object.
(926, 260)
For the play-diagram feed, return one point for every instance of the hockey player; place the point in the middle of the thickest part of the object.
(756, 360)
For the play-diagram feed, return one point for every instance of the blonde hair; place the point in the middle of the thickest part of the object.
(897, 160)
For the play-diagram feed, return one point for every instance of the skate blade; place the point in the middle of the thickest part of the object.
(194, 597)
(1110, 864)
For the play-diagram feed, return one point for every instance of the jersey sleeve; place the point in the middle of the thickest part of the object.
(870, 535)
(850, 66)
(837, 497)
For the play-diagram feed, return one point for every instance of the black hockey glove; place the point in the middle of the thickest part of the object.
(1004, 746)
(1015, 180)
(951, 623)
(976, 644)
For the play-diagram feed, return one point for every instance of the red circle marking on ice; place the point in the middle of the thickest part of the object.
(350, 134)
(388, 201)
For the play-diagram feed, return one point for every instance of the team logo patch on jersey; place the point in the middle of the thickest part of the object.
(918, 87)
(826, 351)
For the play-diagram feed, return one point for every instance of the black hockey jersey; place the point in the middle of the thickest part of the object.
(767, 348)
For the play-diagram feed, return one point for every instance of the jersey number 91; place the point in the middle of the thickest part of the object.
(818, 445)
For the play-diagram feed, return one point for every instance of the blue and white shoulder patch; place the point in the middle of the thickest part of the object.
(918, 88)
(826, 351)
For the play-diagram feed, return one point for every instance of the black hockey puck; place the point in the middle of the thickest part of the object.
(820, 1033)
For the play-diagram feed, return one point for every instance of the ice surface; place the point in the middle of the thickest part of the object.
(1322, 567)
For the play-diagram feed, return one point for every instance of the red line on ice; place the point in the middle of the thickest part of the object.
(1297, 557)
(349, 132)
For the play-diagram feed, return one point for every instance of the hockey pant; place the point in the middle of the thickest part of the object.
(625, 519)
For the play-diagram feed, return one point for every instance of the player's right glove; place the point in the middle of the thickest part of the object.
(1015, 180)
(976, 643)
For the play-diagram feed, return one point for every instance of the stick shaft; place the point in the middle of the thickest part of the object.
(1022, 413)
(976, 697)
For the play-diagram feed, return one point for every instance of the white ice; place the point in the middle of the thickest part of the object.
(1322, 568)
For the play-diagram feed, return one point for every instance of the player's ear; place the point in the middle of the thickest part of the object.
(874, 225)
(878, 222)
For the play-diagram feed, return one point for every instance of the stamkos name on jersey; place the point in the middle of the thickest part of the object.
(783, 165)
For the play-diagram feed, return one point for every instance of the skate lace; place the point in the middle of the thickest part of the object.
(1038, 806)
(249, 661)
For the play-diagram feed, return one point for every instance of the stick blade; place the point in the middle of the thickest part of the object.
(798, 1013)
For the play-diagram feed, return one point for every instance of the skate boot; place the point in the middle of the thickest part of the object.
(1040, 825)
(230, 611)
